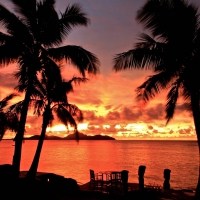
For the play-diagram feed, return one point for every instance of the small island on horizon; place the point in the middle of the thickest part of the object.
(72, 137)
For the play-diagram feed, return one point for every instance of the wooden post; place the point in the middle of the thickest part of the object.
(166, 184)
(124, 177)
(141, 171)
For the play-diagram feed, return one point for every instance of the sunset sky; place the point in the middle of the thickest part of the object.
(108, 99)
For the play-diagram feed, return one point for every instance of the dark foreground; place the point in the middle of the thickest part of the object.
(49, 186)
(38, 190)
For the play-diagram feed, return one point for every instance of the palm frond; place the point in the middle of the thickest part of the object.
(140, 58)
(38, 90)
(82, 59)
(29, 64)
(172, 20)
(2, 124)
(72, 17)
(186, 94)
(155, 14)
(67, 85)
(10, 49)
(78, 80)
(8, 117)
(65, 116)
(74, 111)
(14, 26)
(39, 106)
(48, 25)
(4, 102)
(172, 97)
(26, 10)
(152, 86)
(16, 108)
(53, 82)
(146, 42)
(52, 72)
(146, 54)
(12, 121)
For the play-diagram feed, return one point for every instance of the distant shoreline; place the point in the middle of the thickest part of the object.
(36, 137)
(72, 137)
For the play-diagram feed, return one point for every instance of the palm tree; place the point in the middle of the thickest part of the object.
(171, 49)
(8, 119)
(32, 38)
(50, 98)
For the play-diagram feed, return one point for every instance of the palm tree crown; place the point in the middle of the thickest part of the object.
(50, 98)
(172, 50)
(32, 38)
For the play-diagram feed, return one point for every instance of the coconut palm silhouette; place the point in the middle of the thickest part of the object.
(31, 38)
(171, 49)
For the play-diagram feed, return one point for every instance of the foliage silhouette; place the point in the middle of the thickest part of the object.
(8, 118)
(51, 99)
(31, 38)
(171, 49)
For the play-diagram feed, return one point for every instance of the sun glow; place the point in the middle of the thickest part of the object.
(83, 126)
(57, 128)
(106, 126)
(62, 128)
(118, 127)
(135, 127)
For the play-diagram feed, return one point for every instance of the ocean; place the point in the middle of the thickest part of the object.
(73, 160)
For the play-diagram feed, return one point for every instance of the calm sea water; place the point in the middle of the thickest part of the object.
(74, 160)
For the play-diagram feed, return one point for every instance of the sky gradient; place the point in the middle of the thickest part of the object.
(108, 99)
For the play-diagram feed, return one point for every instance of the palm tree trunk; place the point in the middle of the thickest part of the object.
(196, 116)
(19, 136)
(33, 169)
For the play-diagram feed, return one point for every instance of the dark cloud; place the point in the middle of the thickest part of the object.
(150, 127)
(113, 115)
(155, 131)
(189, 130)
(108, 107)
(156, 112)
(92, 118)
(182, 107)
(8, 81)
(129, 114)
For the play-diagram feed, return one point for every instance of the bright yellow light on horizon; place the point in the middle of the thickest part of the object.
(106, 126)
(117, 126)
(61, 127)
(83, 126)
(136, 127)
